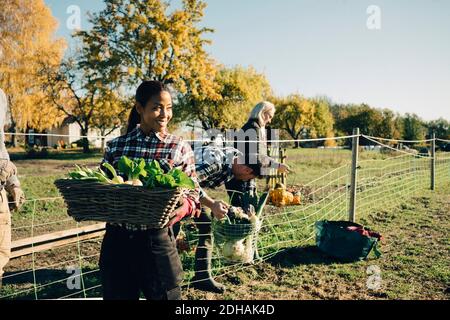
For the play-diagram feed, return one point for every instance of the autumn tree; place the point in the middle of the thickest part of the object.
(133, 40)
(304, 118)
(111, 112)
(390, 126)
(323, 121)
(76, 92)
(26, 43)
(239, 90)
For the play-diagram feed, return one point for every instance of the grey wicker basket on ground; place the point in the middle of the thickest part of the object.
(118, 203)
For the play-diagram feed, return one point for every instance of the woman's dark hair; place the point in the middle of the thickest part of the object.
(144, 92)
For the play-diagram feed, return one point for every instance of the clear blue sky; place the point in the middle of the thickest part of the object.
(323, 47)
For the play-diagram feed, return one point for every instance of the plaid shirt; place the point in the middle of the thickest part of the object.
(171, 152)
(213, 165)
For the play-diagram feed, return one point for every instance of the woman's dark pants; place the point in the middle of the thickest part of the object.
(132, 262)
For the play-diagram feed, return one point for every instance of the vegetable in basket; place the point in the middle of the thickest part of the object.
(116, 179)
(89, 174)
(236, 229)
(133, 170)
(172, 179)
(138, 173)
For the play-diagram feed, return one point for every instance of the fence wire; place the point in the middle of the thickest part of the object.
(321, 175)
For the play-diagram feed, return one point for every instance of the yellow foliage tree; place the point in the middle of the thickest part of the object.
(304, 118)
(133, 40)
(111, 111)
(239, 89)
(26, 44)
(323, 122)
(79, 95)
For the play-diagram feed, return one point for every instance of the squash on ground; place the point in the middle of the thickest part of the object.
(280, 197)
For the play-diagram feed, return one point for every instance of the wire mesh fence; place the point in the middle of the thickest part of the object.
(66, 266)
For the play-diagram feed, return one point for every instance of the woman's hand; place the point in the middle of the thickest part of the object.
(179, 213)
(18, 198)
(7, 169)
(283, 168)
(219, 209)
(188, 207)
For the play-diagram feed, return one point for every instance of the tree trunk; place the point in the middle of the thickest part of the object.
(293, 136)
(85, 141)
(13, 130)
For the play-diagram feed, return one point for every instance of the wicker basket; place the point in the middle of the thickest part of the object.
(234, 232)
(118, 203)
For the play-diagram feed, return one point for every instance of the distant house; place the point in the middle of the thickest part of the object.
(69, 132)
(67, 128)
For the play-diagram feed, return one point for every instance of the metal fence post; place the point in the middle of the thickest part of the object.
(433, 160)
(354, 175)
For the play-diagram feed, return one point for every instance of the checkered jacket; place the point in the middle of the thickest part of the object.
(213, 165)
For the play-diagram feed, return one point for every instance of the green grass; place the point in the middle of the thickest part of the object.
(67, 155)
(415, 261)
(43, 205)
(414, 265)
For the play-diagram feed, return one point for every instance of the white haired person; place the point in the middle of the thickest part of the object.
(255, 150)
(8, 184)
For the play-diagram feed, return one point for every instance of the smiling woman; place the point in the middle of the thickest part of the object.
(137, 257)
(153, 109)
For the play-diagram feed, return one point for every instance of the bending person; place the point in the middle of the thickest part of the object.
(214, 166)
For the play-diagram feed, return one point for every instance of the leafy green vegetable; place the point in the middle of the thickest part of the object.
(101, 176)
(88, 174)
(151, 174)
(173, 179)
(181, 179)
(153, 168)
(166, 180)
(133, 169)
(116, 178)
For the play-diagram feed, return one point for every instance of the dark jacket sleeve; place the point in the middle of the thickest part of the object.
(260, 146)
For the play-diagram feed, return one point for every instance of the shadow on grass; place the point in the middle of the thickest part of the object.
(50, 284)
(58, 155)
(307, 255)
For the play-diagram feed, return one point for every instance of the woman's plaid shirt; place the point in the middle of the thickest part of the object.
(171, 152)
